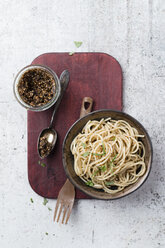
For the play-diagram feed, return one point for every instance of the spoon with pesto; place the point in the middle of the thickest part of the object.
(48, 137)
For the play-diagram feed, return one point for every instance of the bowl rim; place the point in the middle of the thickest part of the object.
(89, 193)
(43, 107)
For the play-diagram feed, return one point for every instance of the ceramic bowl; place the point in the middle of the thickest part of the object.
(68, 159)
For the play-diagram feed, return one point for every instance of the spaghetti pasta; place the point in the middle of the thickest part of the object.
(108, 155)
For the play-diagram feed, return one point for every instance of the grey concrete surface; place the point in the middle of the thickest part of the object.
(133, 32)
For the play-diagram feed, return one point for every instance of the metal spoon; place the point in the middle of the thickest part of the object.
(49, 134)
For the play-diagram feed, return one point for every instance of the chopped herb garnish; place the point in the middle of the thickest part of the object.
(109, 183)
(84, 145)
(49, 209)
(98, 154)
(86, 154)
(78, 43)
(103, 149)
(114, 158)
(111, 167)
(43, 165)
(113, 138)
(31, 200)
(103, 168)
(46, 233)
(95, 173)
(45, 201)
(71, 53)
(89, 183)
(111, 162)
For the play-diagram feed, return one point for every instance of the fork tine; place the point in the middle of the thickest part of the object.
(69, 212)
(55, 212)
(60, 211)
(65, 210)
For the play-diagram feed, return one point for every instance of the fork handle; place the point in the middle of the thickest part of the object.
(86, 106)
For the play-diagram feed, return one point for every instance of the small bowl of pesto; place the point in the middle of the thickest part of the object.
(37, 87)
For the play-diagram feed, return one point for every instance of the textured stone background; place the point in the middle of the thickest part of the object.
(132, 32)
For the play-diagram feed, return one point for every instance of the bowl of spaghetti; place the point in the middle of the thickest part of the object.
(107, 154)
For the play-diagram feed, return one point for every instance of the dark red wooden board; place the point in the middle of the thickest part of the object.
(97, 75)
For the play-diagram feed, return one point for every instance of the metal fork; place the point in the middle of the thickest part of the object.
(66, 195)
(66, 200)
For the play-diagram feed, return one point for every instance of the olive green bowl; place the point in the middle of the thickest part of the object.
(68, 160)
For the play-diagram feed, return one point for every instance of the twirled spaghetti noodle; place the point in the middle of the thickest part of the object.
(108, 155)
